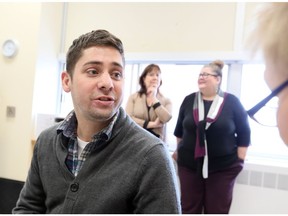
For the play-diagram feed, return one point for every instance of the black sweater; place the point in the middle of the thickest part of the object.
(229, 131)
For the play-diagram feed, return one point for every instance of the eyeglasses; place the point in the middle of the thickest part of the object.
(205, 75)
(265, 111)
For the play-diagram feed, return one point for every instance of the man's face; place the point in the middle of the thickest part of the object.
(97, 84)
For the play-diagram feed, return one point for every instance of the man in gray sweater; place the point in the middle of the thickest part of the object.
(98, 160)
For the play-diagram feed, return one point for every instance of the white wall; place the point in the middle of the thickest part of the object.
(21, 22)
(31, 73)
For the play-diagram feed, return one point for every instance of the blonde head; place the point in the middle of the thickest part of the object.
(271, 33)
(271, 37)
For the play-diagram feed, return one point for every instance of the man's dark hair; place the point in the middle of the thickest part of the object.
(95, 38)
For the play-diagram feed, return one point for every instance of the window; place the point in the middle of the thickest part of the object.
(180, 80)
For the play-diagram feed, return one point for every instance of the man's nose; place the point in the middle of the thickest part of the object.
(106, 81)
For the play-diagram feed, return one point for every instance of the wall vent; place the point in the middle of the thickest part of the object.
(263, 179)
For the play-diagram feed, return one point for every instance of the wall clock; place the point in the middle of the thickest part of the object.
(9, 48)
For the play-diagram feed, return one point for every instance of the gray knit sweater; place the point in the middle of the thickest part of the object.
(133, 173)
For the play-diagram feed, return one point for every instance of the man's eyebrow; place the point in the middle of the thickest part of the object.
(117, 64)
(93, 62)
(101, 63)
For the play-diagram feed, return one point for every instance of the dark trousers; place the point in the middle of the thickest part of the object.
(210, 196)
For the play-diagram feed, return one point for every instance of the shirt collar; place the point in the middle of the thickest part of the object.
(69, 127)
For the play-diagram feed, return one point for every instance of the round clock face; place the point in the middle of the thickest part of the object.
(9, 48)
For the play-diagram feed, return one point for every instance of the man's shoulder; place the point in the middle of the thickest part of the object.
(139, 133)
(48, 134)
(131, 135)
(49, 131)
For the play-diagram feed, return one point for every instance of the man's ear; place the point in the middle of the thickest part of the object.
(66, 81)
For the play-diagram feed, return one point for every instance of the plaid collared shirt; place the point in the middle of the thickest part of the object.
(69, 128)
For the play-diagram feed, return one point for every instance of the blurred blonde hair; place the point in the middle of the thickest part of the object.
(270, 34)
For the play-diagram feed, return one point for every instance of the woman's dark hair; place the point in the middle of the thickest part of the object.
(95, 38)
(148, 69)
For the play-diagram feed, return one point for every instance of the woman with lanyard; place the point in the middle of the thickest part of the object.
(213, 134)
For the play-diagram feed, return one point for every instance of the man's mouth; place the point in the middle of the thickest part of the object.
(105, 98)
